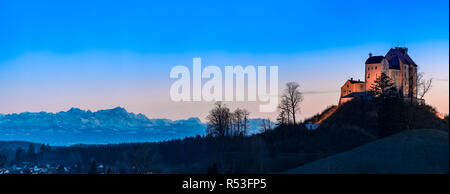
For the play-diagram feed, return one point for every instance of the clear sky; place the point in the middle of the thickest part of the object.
(95, 55)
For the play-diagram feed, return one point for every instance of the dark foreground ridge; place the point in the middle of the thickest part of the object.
(410, 152)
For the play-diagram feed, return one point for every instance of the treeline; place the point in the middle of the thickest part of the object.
(223, 122)
(31, 154)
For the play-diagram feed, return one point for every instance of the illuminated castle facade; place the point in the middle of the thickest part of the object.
(396, 64)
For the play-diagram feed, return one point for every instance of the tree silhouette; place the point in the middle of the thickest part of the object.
(31, 155)
(3, 161)
(223, 122)
(382, 86)
(218, 120)
(423, 85)
(93, 169)
(290, 101)
(44, 148)
(239, 122)
(284, 115)
(19, 155)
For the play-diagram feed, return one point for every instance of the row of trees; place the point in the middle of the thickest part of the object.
(223, 122)
(30, 155)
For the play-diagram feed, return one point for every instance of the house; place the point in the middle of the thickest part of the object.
(350, 87)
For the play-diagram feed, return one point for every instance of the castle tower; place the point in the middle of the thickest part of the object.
(375, 65)
(403, 70)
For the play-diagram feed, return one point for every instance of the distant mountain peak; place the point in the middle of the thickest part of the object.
(115, 125)
(75, 111)
(119, 109)
(194, 119)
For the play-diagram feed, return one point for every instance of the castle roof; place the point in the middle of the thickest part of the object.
(397, 55)
(394, 57)
(394, 63)
(374, 59)
(355, 81)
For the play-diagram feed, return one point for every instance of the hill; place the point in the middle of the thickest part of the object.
(375, 118)
(13, 145)
(320, 117)
(409, 152)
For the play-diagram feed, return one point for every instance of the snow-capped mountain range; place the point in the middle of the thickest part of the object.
(116, 125)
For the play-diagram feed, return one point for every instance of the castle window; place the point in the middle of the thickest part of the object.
(375, 67)
(368, 75)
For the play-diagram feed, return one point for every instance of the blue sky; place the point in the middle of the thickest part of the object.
(230, 26)
(87, 45)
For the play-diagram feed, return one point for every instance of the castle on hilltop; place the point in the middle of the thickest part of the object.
(396, 64)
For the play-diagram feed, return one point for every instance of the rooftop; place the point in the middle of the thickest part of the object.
(355, 81)
(374, 59)
(397, 54)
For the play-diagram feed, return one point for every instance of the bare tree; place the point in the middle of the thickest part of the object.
(266, 125)
(285, 113)
(240, 121)
(423, 85)
(222, 122)
(293, 97)
(282, 118)
(236, 121)
(245, 122)
(219, 120)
